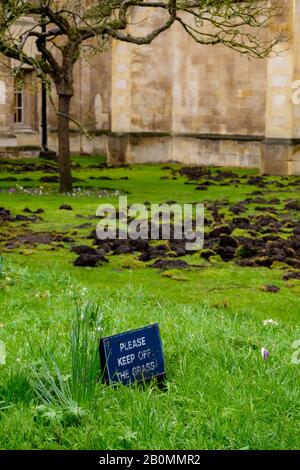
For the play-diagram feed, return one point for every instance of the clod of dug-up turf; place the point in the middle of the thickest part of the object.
(296, 230)
(37, 211)
(226, 252)
(241, 222)
(291, 275)
(256, 181)
(86, 260)
(221, 229)
(25, 218)
(227, 240)
(88, 256)
(9, 178)
(49, 179)
(178, 247)
(87, 250)
(237, 208)
(33, 238)
(194, 173)
(153, 252)
(207, 253)
(81, 226)
(5, 215)
(170, 264)
(269, 288)
(263, 261)
(292, 205)
(66, 207)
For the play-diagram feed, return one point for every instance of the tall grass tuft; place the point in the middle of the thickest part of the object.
(76, 389)
(51, 385)
(85, 359)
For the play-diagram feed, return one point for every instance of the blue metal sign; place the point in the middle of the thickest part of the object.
(133, 356)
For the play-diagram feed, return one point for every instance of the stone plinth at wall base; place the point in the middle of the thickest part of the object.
(48, 155)
(16, 152)
(280, 157)
(8, 141)
(80, 144)
(27, 138)
(117, 149)
(189, 149)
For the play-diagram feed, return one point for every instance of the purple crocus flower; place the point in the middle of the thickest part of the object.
(264, 354)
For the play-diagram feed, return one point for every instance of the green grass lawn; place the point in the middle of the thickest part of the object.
(219, 393)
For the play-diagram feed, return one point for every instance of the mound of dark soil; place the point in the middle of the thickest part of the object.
(37, 238)
(292, 205)
(5, 215)
(89, 259)
(170, 264)
(291, 275)
(37, 211)
(194, 173)
(49, 179)
(270, 288)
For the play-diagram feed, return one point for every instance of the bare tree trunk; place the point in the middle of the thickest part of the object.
(65, 176)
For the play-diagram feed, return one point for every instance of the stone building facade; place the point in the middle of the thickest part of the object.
(173, 100)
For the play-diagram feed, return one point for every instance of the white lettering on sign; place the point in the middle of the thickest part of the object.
(139, 370)
(124, 375)
(131, 344)
(143, 354)
(122, 361)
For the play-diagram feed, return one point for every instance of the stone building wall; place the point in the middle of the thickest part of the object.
(177, 100)
(175, 85)
(6, 108)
